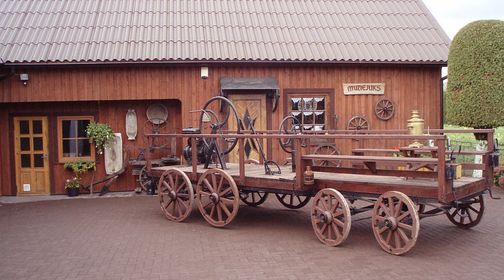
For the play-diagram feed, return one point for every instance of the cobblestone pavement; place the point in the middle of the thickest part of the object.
(128, 238)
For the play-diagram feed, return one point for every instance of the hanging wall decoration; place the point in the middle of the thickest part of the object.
(384, 109)
(358, 123)
(131, 124)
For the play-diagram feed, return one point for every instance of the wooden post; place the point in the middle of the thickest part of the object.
(241, 156)
(299, 164)
(445, 186)
(194, 158)
(487, 160)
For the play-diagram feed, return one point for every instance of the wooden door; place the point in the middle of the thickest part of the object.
(31, 155)
(250, 107)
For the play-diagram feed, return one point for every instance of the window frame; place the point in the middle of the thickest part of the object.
(61, 158)
(310, 92)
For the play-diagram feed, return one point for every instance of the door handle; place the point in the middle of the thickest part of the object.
(45, 156)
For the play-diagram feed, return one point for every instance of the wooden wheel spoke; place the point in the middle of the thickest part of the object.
(337, 213)
(405, 226)
(319, 209)
(220, 184)
(219, 212)
(226, 210)
(207, 184)
(474, 209)
(225, 199)
(172, 183)
(226, 191)
(382, 230)
(168, 187)
(397, 240)
(403, 215)
(214, 183)
(338, 222)
(389, 237)
(182, 202)
(212, 211)
(336, 230)
(403, 236)
(398, 208)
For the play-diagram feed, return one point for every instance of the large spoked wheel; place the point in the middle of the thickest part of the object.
(176, 195)
(327, 149)
(216, 124)
(145, 180)
(217, 197)
(330, 217)
(292, 201)
(289, 126)
(467, 214)
(253, 198)
(395, 222)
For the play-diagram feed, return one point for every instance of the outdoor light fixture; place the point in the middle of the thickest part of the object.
(24, 78)
(204, 73)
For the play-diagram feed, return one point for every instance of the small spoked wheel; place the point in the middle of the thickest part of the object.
(253, 198)
(292, 201)
(330, 217)
(217, 197)
(176, 195)
(395, 222)
(467, 214)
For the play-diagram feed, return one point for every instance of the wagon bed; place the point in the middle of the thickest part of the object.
(340, 181)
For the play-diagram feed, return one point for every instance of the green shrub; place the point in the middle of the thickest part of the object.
(475, 93)
(99, 134)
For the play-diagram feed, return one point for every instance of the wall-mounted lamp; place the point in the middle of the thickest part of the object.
(204, 73)
(24, 78)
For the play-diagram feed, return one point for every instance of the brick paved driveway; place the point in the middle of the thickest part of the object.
(128, 238)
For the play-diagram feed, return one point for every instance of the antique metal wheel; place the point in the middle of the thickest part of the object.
(217, 197)
(216, 126)
(327, 149)
(253, 198)
(468, 213)
(176, 195)
(292, 201)
(395, 222)
(384, 109)
(358, 123)
(289, 126)
(330, 217)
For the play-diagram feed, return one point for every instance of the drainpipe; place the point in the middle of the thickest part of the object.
(441, 82)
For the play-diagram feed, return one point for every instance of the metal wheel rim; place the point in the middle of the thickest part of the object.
(285, 144)
(292, 201)
(232, 111)
(143, 178)
(176, 195)
(395, 228)
(253, 198)
(217, 183)
(330, 217)
(465, 212)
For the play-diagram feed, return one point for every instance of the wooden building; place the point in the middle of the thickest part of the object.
(65, 63)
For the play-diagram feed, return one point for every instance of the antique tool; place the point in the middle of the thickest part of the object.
(266, 162)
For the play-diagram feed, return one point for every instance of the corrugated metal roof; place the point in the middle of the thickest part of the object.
(52, 31)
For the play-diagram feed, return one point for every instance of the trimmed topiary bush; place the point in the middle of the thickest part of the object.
(475, 94)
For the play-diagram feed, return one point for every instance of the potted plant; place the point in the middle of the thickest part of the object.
(79, 168)
(100, 134)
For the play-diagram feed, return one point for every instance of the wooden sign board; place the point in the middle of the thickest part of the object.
(364, 88)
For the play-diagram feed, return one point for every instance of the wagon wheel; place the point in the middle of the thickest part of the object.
(467, 214)
(358, 123)
(395, 222)
(330, 217)
(292, 201)
(384, 109)
(253, 198)
(290, 126)
(326, 149)
(144, 179)
(217, 197)
(176, 195)
(226, 144)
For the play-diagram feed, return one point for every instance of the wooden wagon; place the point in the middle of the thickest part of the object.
(399, 186)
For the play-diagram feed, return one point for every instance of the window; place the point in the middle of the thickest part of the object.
(72, 138)
(311, 109)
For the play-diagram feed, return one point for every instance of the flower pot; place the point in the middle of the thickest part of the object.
(73, 191)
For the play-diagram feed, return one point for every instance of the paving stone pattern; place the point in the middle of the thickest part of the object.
(128, 238)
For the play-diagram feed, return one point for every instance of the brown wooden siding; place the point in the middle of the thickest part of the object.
(410, 87)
